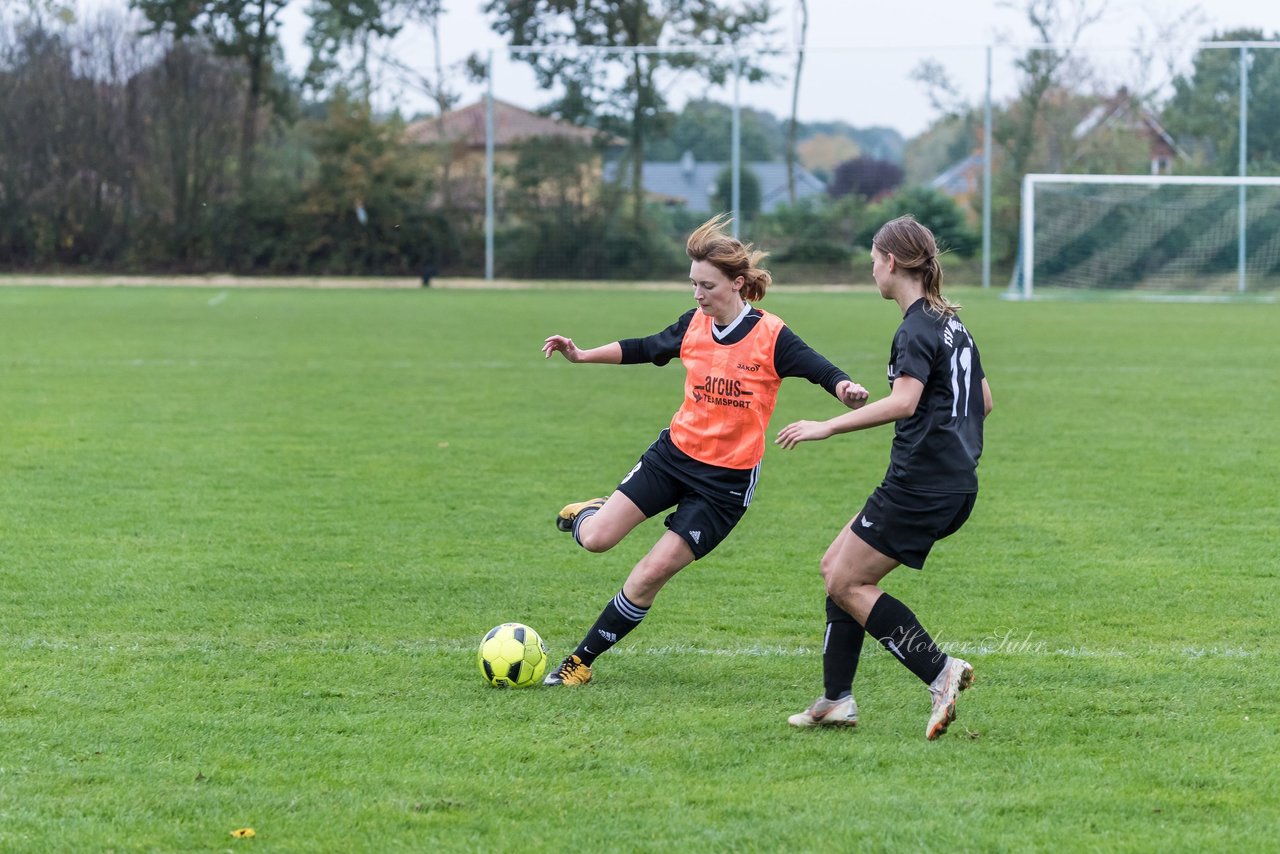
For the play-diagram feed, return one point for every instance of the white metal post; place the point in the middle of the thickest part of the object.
(986, 180)
(488, 174)
(735, 147)
(1028, 223)
(1244, 137)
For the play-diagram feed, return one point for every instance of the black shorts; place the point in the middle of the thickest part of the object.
(904, 524)
(709, 500)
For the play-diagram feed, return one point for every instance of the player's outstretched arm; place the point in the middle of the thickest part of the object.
(901, 403)
(608, 354)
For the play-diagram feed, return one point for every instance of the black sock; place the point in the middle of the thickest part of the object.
(841, 649)
(898, 631)
(618, 618)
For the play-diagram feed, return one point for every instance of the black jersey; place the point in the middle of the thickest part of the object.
(791, 357)
(937, 448)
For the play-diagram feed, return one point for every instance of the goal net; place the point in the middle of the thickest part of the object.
(1152, 234)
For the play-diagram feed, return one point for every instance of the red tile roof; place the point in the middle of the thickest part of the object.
(511, 124)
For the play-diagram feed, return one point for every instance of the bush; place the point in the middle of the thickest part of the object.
(937, 211)
(598, 241)
(868, 177)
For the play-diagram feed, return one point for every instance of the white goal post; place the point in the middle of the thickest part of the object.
(1152, 233)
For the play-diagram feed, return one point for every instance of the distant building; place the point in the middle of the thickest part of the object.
(961, 180)
(459, 135)
(1121, 113)
(692, 185)
(1125, 113)
(511, 125)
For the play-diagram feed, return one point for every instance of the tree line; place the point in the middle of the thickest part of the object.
(170, 140)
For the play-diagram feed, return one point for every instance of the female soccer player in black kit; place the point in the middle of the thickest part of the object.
(938, 402)
(707, 462)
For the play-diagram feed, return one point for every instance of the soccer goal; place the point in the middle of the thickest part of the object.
(1156, 235)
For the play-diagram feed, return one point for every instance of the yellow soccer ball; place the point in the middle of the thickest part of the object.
(512, 655)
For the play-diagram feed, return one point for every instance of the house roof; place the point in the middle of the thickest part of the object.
(1124, 110)
(693, 184)
(960, 177)
(511, 125)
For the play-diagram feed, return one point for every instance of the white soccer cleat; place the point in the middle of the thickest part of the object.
(956, 675)
(824, 712)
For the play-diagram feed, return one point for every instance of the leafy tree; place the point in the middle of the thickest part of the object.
(47, 116)
(77, 126)
(822, 152)
(936, 210)
(191, 100)
(364, 209)
(563, 223)
(551, 174)
(865, 176)
(247, 30)
(1055, 22)
(349, 39)
(750, 194)
(702, 128)
(879, 142)
(635, 103)
(1204, 111)
(342, 26)
(814, 231)
(39, 12)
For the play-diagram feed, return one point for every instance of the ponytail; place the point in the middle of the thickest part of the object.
(915, 250)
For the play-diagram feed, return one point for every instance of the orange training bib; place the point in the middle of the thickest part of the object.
(729, 394)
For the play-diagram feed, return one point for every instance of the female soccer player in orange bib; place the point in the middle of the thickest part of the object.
(706, 463)
(938, 401)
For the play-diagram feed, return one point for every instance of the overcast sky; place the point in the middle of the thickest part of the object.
(862, 53)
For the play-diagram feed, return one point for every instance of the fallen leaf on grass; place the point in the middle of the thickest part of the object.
(244, 833)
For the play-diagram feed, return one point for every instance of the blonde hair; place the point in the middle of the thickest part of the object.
(915, 251)
(730, 256)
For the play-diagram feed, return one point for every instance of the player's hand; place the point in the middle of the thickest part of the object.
(802, 431)
(563, 345)
(851, 394)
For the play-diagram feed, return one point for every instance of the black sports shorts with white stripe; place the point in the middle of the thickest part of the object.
(904, 524)
(709, 500)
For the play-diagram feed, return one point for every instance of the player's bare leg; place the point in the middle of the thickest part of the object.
(625, 611)
(852, 570)
(667, 557)
(600, 524)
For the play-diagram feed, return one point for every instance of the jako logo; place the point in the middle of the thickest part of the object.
(751, 368)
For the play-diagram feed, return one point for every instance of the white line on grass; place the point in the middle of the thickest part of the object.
(428, 646)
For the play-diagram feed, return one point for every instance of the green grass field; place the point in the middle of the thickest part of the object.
(249, 540)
